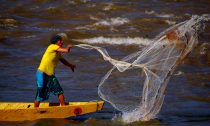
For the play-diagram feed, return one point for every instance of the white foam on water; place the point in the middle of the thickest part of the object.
(86, 27)
(93, 18)
(178, 73)
(30, 36)
(91, 5)
(71, 2)
(165, 16)
(149, 12)
(170, 22)
(112, 22)
(108, 7)
(162, 15)
(116, 41)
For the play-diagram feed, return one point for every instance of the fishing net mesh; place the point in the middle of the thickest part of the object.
(136, 84)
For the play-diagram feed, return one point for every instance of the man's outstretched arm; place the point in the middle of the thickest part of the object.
(65, 50)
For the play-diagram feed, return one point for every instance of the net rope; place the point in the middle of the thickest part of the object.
(142, 77)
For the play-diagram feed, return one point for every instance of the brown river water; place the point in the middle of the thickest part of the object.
(121, 27)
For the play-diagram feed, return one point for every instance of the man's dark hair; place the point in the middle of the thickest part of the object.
(55, 38)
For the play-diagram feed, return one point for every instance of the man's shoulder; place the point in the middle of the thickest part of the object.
(53, 47)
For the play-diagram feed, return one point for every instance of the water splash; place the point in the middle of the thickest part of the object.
(154, 66)
(116, 41)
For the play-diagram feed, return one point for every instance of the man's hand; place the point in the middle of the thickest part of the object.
(72, 67)
(69, 46)
(65, 62)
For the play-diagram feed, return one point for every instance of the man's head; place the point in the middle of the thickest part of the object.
(56, 39)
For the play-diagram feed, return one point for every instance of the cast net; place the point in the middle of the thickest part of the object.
(142, 77)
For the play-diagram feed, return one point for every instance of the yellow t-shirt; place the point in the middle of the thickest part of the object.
(50, 60)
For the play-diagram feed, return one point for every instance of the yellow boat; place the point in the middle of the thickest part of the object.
(20, 111)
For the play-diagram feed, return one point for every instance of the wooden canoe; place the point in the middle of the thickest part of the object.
(20, 111)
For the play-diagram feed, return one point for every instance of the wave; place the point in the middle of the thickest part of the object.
(73, 2)
(108, 7)
(104, 22)
(162, 15)
(116, 41)
(113, 22)
(170, 22)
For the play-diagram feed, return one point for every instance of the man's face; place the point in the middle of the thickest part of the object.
(60, 43)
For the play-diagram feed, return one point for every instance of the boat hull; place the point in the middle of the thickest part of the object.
(25, 111)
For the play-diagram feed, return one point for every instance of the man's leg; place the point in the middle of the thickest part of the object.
(40, 84)
(36, 104)
(61, 99)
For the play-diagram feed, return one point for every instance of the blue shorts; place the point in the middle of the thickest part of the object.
(45, 85)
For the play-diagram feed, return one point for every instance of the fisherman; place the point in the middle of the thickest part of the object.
(45, 77)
